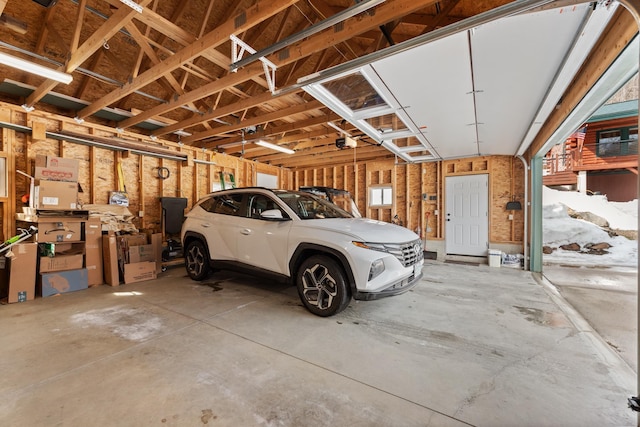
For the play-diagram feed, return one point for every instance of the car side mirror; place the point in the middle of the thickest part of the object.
(273, 214)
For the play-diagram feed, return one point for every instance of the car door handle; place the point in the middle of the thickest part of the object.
(206, 225)
(246, 231)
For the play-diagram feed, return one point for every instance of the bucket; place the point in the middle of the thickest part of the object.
(495, 257)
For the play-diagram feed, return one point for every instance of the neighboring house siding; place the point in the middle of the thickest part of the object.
(608, 154)
(619, 186)
(590, 158)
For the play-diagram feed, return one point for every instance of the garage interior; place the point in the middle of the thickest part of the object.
(162, 102)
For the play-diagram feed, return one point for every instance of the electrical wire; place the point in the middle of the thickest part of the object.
(163, 172)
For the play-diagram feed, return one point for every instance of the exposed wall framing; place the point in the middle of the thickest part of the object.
(419, 192)
(146, 177)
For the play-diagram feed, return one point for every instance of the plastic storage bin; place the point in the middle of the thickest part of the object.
(495, 257)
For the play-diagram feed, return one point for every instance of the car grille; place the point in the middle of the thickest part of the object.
(407, 253)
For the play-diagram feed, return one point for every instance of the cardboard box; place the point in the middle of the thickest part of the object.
(61, 263)
(134, 239)
(110, 260)
(141, 253)
(93, 251)
(59, 231)
(57, 168)
(156, 242)
(139, 272)
(20, 272)
(56, 174)
(63, 281)
(56, 195)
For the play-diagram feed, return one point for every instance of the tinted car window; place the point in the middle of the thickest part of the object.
(226, 204)
(259, 203)
(208, 204)
(307, 206)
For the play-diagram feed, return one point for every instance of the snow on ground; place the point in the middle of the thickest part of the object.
(560, 229)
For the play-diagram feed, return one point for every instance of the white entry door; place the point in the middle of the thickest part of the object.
(467, 215)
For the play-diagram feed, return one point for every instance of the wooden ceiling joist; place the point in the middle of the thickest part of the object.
(253, 16)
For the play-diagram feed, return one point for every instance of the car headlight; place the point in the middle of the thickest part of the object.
(373, 246)
(377, 267)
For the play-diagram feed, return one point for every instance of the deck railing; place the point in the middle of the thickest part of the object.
(566, 162)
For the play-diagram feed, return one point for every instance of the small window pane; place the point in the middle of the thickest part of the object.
(376, 196)
(380, 196)
(386, 196)
(609, 143)
(387, 123)
(355, 92)
(610, 136)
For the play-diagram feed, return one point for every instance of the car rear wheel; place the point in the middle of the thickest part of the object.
(196, 260)
(322, 286)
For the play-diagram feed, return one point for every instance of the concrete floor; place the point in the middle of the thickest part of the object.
(470, 345)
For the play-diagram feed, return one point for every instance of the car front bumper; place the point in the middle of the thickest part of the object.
(397, 288)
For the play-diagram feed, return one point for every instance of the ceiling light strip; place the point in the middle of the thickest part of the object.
(32, 67)
(266, 144)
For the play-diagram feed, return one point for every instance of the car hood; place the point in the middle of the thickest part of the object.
(364, 229)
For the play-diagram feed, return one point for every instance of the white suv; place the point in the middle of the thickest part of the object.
(329, 255)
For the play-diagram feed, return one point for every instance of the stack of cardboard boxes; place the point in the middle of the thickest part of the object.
(61, 235)
(70, 252)
(135, 257)
(56, 185)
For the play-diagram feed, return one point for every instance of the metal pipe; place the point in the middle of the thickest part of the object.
(316, 28)
(204, 162)
(526, 212)
(61, 137)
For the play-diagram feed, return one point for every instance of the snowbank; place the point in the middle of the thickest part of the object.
(560, 229)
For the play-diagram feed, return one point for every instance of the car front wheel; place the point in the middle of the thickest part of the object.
(196, 260)
(322, 286)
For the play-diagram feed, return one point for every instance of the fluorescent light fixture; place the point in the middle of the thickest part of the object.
(181, 132)
(133, 5)
(34, 68)
(266, 144)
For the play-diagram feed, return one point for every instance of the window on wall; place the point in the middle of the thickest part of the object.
(617, 142)
(381, 195)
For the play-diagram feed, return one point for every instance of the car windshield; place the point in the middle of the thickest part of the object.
(307, 206)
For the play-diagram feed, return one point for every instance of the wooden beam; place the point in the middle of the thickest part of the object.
(217, 113)
(121, 17)
(324, 11)
(384, 13)
(252, 16)
(13, 24)
(289, 127)
(171, 30)
(75, 40)
(296, 109)
(153, 57)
